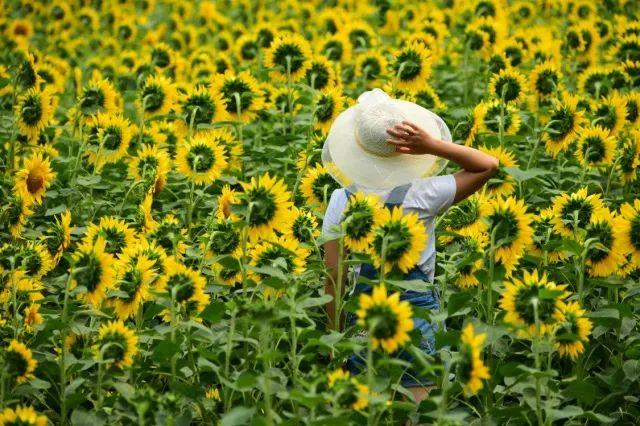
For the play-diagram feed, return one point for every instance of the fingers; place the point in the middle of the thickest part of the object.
(414, 127)
(400, 131)
(403, 149)
(397, 142)
(396, 133)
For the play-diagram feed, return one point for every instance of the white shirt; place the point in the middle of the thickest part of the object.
(428, 197)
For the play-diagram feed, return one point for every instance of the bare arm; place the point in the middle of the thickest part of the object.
(478, 167)
(331, 262)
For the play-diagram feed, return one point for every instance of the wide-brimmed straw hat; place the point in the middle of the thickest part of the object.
(356, 151)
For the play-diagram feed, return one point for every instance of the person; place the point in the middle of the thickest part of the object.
(384, 134)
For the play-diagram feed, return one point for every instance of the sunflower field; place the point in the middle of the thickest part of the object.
(162, 194)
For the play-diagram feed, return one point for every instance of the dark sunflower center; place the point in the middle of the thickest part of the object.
(234, 89)
(249, 50)
(92, 100)
(224, 238)
(183, 285)
(153, 97)
(348, 396)
(201, 158)
(382, 322)
(125, 32)
(32, 261)
(584, 209)
(485, 9)
(360, 220)
(130, 283)
(492, 118)
(148, 166)
(635, 232)
(14, 210)
(561, 123)
(474, 39)
(317, 76)
(604, 234)
(425, 99)
(55, 238)
(35, 182)
(112, 138)
(398, 240)
(57, 12)
(524, 305)
(547, 82)
(115, 346)
(167, 235)
(371, 68)
(263, 206)
(628, 51)
(157, 261)
(323, 186)
(201, 108)
(27, 75)
(593, 149)
(115, 240)
(325, 108)
(16, 363)
(291, 54)
(88, 272)
(270, 258)
(632, 111)
(360, 39)
(333, 50)
(31, 111)
(302, 228)
(408, 65)
(606, 116)
(465, 213)
(596, 85)
(514, 54)
(506, 225)
(465, 365)
(160, 58)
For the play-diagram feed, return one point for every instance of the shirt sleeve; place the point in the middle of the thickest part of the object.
(434, 194)
(333, 214)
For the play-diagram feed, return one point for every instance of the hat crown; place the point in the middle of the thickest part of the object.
(375, 116)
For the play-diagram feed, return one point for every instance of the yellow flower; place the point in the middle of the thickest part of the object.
(151, 164)
(508, 85)
(303, 227)
(93, 270)
(386, 318)
(411, 66)
(317, 185)
(471, 369)
(116, 233)
(563, 124)
(200, 106)
(466, 217)
(34, 111)
(610, 114)
(506, 183)
(32, 181)
(19, 362)
(628, 224)
(596, 147)
(98, 95)
(398, 240)
(283, 253)
(545, 79)
(329, 103)
(475, 244)
(185, 286)
(266, 205)
(493, 115)
(16, 214)
(157, 95)
(134, 278)
(212, 393)
(509, 219)
(117, 344)
(361, 215)
(241, 95)
(573, 331)
(113, 137)
(350, 393)
(604, 258)
(574, 211)
(32, 317)
(201, 160)
(545, 233)
(22, 415)
(533, 296)
(288, 57)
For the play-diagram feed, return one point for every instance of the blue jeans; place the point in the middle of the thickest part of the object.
(420, 299)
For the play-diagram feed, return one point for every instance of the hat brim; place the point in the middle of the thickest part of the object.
(350, 164)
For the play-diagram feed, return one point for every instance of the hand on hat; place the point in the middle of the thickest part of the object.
(410, 138)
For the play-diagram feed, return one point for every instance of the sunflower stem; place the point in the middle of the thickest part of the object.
(227, 358)
(338, 286)
(536, 355)
(370, 379)
(12, 141)
(63, 350)
(492, 250)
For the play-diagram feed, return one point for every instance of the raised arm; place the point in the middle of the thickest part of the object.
(477, 166)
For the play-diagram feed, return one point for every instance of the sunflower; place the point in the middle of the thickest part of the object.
(57, 236)
(116, 344)
(490, 114)
(303, 227)
(201, 160)
(563, 124)
(288, 56)
(93, 269)
(51, 78)
(388, 320)
(114, 134)
(632, 70)
(19, 362)
(32, 181)
(162, 56)
(573, 332)
(610, 114)
(169, 134)
(628, 224)
(472, 246)
(574, 211)
(200, 106)
(427, 98)
(32, 317)
(157, 95)
(14, 214)
(604, 258)
(411, 66)
(247, 47)
(545, 79)
(133, 281)
(466, 218)
(632, 101)
(240, 94)
(317, 185)
(98, 95)
(533, 296)
(231, 146)
(283, 253)
(362, 213)
(286, 101)
(22, 415)
(398, 239)
(150, 165)
(546, 238)
(266, 206)
(153, 252)
(509, 85)
(596, 147)
(502, 184)
(627, 48)
(186, 287)
(475, 39)
(115, 232)
(169, 235)
(471, 369)
(371, 66)
(34, 111)
(328, 104)
(335, 47)
(225, 274)
(509, 220)
(594, 81)
(348, 391)
(27, 76)
(628, 162)
(19, 31)
(28, 289)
